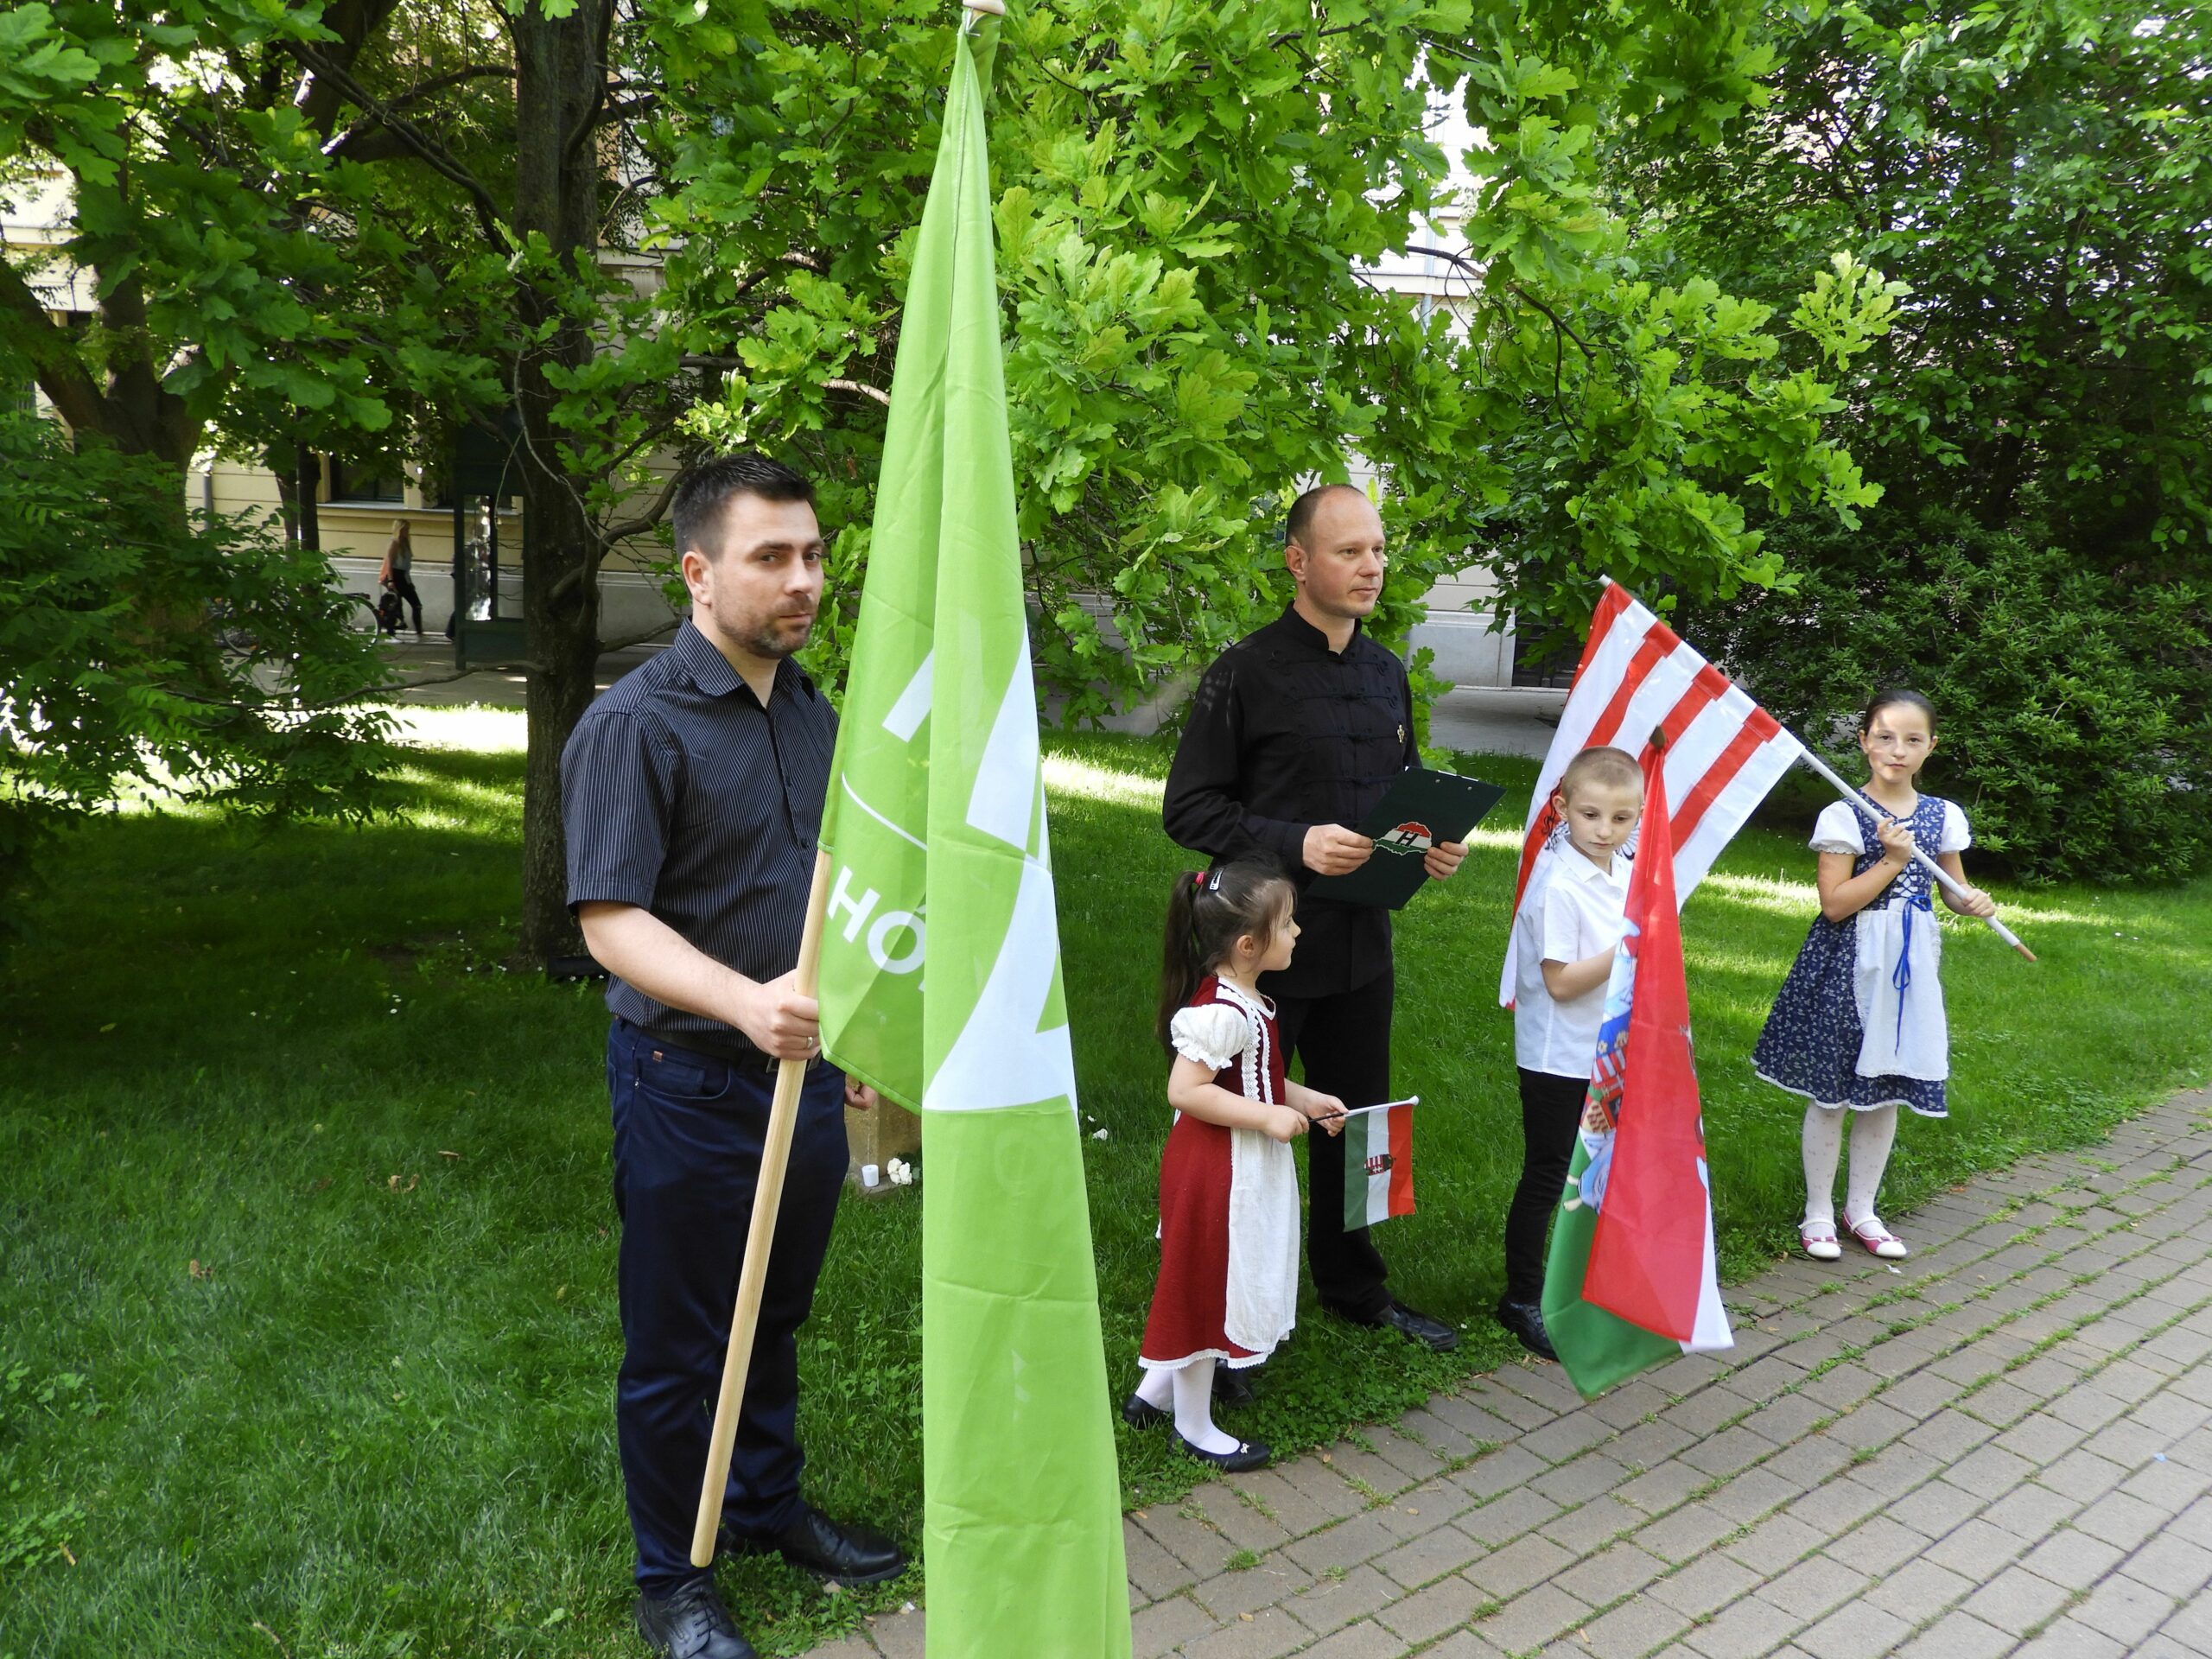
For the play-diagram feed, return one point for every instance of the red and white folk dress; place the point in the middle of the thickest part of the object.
(1228, 1283)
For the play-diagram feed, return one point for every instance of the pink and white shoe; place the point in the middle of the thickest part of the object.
(1879, 1240)
(1819, 1239)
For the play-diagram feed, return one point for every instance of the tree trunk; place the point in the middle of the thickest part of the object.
(306, 487)
(557, 83)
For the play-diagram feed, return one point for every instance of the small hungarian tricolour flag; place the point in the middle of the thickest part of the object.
(1630, 1279)
(1378, 1163)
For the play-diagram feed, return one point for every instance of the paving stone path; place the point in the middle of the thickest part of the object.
(2004, 1448)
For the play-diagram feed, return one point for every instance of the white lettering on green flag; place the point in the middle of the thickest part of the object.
(941, 879)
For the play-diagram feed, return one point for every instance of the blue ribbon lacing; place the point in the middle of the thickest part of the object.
(1901, 976)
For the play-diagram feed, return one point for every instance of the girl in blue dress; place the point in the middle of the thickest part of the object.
(1859, 1023)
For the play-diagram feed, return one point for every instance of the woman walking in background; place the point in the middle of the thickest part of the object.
(397, 575)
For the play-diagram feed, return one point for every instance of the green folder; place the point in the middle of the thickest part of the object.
(1422, 808)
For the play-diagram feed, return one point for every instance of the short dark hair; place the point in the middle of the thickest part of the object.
(705, 490)
(1302, 510)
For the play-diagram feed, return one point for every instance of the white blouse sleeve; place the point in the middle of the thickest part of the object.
(1838, 830)
(1213, 1035)
(1956, 838)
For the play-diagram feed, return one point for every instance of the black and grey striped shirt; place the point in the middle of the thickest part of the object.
(681, 795)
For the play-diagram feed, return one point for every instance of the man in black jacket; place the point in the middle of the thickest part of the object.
(1295, 733)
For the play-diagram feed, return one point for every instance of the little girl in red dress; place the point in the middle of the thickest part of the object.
(1228, 1288)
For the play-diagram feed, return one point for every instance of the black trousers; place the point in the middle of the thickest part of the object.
(1550, 1108)
(1344, 1041)
(688, 1135)
(403, 585)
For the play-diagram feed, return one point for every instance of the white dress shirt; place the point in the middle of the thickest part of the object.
(1573, 909)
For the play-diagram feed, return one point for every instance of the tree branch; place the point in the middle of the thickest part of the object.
(351, 144)
(25, 324)
(647, 519)
(425, 149)
(864, 390)
(1282, 40)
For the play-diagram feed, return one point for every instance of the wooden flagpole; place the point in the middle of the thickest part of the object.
(1950, 884)
(768, 1200)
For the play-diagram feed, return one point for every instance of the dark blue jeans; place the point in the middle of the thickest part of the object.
(688, 1134)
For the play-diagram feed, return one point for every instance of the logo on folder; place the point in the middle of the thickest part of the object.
(1411, 836)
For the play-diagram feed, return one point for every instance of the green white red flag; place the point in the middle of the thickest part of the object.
(1378, 1163)
(1630, 1278)
(939, 866)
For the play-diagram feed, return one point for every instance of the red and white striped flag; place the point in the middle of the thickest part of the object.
(1723, 752)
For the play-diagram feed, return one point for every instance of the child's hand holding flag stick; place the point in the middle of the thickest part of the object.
(1362, 1111)
(1951, 883)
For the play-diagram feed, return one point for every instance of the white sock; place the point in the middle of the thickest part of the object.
(1823, 1146)
(1156, 1387)
(1194, 1407)
(1872, 1135)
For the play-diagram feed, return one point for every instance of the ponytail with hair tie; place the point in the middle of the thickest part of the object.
(1208, 910)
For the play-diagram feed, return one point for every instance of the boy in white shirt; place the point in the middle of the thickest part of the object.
(1571, 920)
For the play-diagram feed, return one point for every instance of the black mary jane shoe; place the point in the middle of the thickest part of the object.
(690, 1622)
(1249, 1454)
(828, 1549)
(1526, 1321)
(1230, 1393)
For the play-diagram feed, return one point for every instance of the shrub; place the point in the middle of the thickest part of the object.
(2075, 703)
(145, 650)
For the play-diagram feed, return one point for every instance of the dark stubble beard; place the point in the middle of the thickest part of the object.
(764, 637)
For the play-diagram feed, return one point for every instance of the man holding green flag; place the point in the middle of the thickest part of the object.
(940, 871)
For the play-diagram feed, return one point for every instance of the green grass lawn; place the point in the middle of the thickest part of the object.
(309, 1289)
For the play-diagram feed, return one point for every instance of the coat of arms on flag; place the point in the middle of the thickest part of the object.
(1378, 1163)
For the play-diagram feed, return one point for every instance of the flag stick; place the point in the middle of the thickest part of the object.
(767, 1198)
(1951, 884)
(1362, 1111)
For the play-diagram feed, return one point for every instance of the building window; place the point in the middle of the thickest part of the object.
(365, 482)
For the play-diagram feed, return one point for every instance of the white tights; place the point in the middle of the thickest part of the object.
(1872, 1133)
(1191, 1386)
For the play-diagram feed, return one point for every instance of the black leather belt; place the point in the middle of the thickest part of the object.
(734, 1051)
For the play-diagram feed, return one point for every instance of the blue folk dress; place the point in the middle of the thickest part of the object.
(1859, 1020)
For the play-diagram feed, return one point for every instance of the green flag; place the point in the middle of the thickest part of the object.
(940, 873)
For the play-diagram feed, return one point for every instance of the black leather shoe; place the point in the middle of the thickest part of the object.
(1430, 1333)
(1249, 1454)
(1139, 1413)
(692, 1623)
(1407, 1322)
(850, 1555)
(1230, 1389)
(1526, 1321)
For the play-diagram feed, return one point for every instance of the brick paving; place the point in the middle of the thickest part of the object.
(2004, 1448)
